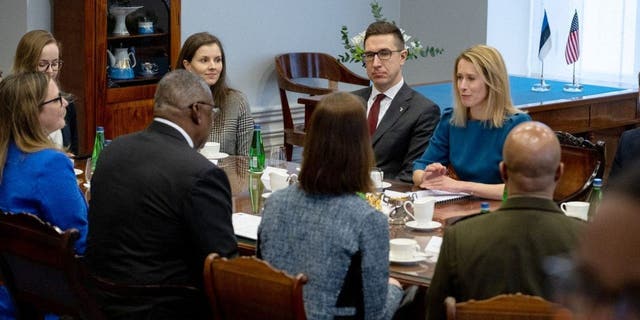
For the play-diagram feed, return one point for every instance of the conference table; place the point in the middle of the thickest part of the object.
(599, 112)
(419, 273)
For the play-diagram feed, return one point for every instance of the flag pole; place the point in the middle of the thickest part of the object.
(542, 86)
(543, 50)
(573, 87)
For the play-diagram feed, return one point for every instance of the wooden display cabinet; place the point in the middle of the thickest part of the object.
(85, 31)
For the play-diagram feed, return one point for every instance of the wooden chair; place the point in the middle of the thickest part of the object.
(249, 288)
(506, 307)
(583, 162)
(308, 65)
(41, 271)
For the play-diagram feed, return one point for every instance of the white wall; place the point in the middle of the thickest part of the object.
(16, 18)
(450, 24)
(253, 32)
(13, 24)
(509, 31)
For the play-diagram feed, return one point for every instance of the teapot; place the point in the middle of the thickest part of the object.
(120, 65)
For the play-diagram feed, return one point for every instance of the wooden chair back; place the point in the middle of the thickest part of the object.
(41, 271)
(506, 307)
(583, 162)
(249, 288)
(290, 68)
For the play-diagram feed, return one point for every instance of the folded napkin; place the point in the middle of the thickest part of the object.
(266, 179)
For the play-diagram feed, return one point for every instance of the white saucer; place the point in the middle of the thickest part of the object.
(266, 195)
(415, 259)
(385, 185)
(219, 155)
(429, 226)
(77, 171)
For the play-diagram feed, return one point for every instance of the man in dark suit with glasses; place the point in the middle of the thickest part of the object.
(158, 207)
(401, 120)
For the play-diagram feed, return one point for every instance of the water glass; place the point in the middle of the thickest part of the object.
(87, 171)
(277, 157)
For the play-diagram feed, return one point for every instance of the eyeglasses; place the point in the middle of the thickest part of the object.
(384, 54)
(59, 98)
(214, 109)
(55, 65)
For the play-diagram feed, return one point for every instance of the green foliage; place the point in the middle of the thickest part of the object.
(354, 46)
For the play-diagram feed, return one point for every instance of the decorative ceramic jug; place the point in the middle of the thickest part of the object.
(120, 65)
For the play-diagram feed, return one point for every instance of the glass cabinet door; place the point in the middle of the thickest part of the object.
(138, 42)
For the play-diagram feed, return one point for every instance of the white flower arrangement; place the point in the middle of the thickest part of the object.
(355, 45)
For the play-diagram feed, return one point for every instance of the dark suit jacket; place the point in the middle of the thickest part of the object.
(157, 209)
(501, 252)
(628, 152)
(404, 132)
(70, 130)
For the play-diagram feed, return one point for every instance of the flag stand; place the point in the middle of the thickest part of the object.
(573, 86)
(542, 86)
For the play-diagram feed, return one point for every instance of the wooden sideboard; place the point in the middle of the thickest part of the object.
(84, 29)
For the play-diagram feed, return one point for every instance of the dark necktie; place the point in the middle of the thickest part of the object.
(373, 113)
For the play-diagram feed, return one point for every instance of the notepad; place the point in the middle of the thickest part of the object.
(440, 195)
(433, 249)
(246, 225)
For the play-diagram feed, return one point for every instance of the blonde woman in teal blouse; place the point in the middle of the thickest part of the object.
(469, 139)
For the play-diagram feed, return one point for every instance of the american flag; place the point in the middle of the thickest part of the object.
(572, 52)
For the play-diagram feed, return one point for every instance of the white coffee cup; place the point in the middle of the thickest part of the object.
(577, 209)
(210, 149)
(403, 248)
(377, 176)
(278, 180)
(422, 209)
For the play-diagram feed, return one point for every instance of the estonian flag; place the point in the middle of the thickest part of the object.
(545, 38)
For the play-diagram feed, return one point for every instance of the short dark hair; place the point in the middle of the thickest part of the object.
(337, 155)
(179, 89)
(384, 27)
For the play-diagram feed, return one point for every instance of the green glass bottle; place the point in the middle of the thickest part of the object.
(505, 194)
(595, 196)
(98, 145)
(256, 152)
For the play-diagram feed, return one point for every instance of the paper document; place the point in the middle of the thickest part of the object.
(246, 225)
(440, 195)
(433, 249)
(434, 245)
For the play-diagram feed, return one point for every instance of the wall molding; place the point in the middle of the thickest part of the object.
(271, 122)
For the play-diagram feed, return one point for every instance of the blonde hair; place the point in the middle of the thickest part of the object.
(21, 97)
(487, 61)
(30, 48)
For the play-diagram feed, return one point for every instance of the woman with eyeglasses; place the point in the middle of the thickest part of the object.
(39, 51)
(202, 54)
(36, 176)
